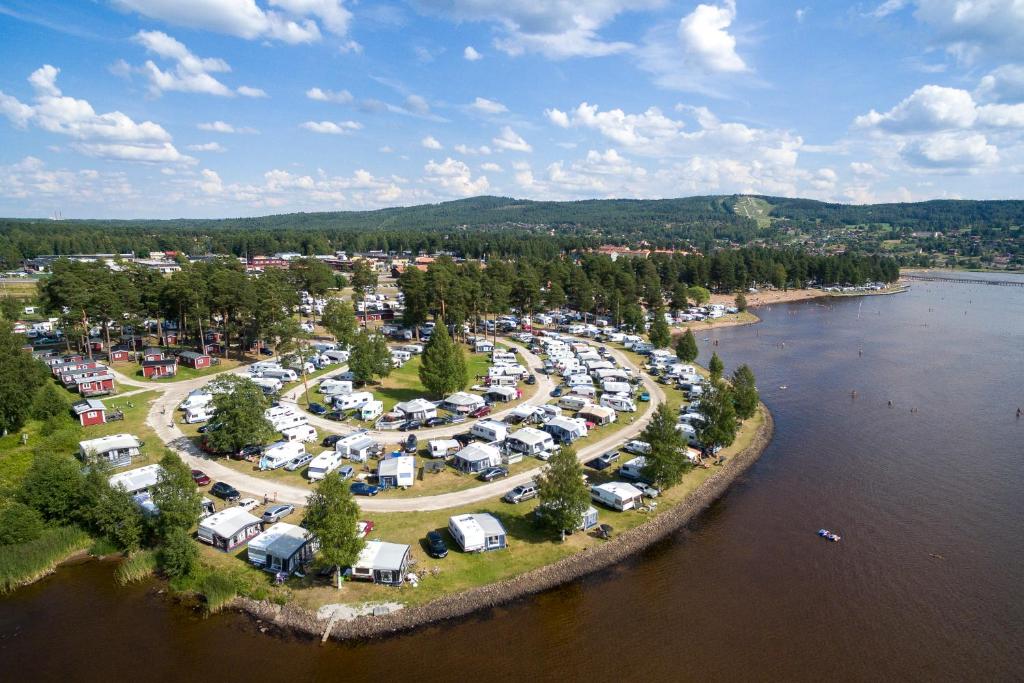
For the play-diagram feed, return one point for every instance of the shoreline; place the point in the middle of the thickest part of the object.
(459, 605)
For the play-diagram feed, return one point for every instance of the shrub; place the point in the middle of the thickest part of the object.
(19, 524)
(179, 554)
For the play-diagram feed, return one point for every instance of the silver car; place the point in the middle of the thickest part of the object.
(299, 461)
(277, 513)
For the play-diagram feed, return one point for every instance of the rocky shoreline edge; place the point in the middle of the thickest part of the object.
(304, 622)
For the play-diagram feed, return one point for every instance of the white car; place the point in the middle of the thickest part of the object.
(646, 489)
(248, 503)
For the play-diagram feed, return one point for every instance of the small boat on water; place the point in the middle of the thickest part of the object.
(829, 536)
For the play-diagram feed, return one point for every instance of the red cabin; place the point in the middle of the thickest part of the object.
(120, 355)
(195, 360)
(95, 385)
(159, 368)
(90, 412)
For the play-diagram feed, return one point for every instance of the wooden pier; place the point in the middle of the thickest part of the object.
(963, 280)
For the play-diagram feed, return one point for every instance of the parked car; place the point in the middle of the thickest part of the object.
(335, 415)
(646, 489)
(521, 493)
(531, 379)
(603, 462)
(264, 351)
(436, 547)
(299, 461)
(225, 491)
(609, 457)
(556, 392)
(464, 439)
(277, 513)
(482, 411)
(331, 440)
(209, 427)
(363, 489)
(455, 419)
(410, 425)
(347, 472)
(317, 409)
(411, 444)
(492, 473)
(438, 421)
(200, 478)
(645, 396)
(249, 452)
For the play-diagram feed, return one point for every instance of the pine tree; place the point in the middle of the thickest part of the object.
(239, 405)
(340, 320)
(741, 301)
(370, 357)
(744, 392)
(686, 347)
(443, 368)
(331, 516)
(665, 464)
(660, 335)
(716, 367)
(563, 494)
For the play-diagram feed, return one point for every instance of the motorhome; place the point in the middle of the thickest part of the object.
(267, 383)
(283, 422)
(574, 380)
(198, 414)
(323, 464)
(279, 454)
(689, 432)
(283, 374)
(257, 368)
(442, 448)
(197, 399)
(337, 356)
(335, 387)
(371, 411)
(621, 403)
(352, 401)
(613, 387)
(634, 469)
(303, 432)
(358, 447)
(573, 402)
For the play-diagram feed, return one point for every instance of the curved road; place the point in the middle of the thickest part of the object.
(164, 410)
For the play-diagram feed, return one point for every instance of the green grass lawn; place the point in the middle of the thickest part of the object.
(184, 372)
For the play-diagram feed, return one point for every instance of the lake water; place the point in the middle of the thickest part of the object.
(927, 583)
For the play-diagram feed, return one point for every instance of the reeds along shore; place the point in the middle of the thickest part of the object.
(458, 605)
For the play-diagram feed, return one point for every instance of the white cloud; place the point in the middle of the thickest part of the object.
(485, 106)
(246, 91)
(331, 127)
(290, 21)
(650, 128)
(1003, 83)
(190, 72)
(336, 96)
(455, 177)
(888, 7)
(36, 186)
(223, 127)
(706, 41)
(210, 182)
(863, 168)
(556, 29)
(491, 167)
(968, 28)
(430, 142)
(557, 117)
(470, 54)
(951, 151)
(467, 150)
(207, 147)
(509, 140)
(930, 107)
(350, 46)
(800, 14)
(120, 136)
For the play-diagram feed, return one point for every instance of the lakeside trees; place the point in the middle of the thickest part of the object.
(720, 426)
(744, 392)
(665, 464)
(686, 347)
(716, 367)
(563, 494)
(331, 516)
(443, 368)
(660, 334)
(240, 405)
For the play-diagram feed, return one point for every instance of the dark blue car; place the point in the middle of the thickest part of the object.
(361, 489)
(317, 409)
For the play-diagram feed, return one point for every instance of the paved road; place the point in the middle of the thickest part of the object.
(163, 419)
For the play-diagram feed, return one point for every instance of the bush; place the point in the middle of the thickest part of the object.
(23, 563)
(19, 524)
(48, 402)
(179, 554)
(136, 567)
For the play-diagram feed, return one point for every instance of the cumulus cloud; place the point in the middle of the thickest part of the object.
(336, 96)
(511, 141)
(1003, 83)
(485, 106)
(556, 29)
(470, 151)
(35, 185)
(934, 108)
(430, 142)
(471, 55)
(705, 38)
(207, 147)
(112, 135)
(951, 151)
(289, 21)
(491, 167)
(190, 72)
(224, 127)
(968, 28)
(332, 127)
(455, 177)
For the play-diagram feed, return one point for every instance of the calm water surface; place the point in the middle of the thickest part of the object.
(927, 584)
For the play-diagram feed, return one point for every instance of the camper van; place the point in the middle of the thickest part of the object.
(283, 422)
(198, 414)
(442, 448)
(401, 355)
(323, 464)
(610, 387)
(257, 369)
(621, 403)
(267, 383)
(197, 399)
(573, 402)
(490, 430)
(337, 356)
(303, 432)
(634, 468)
(279, 454)
(587, 391)
(617, 495)
(352, 401)
(358, 447)
(689, 432)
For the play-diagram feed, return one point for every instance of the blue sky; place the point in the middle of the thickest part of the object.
(210, 108)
